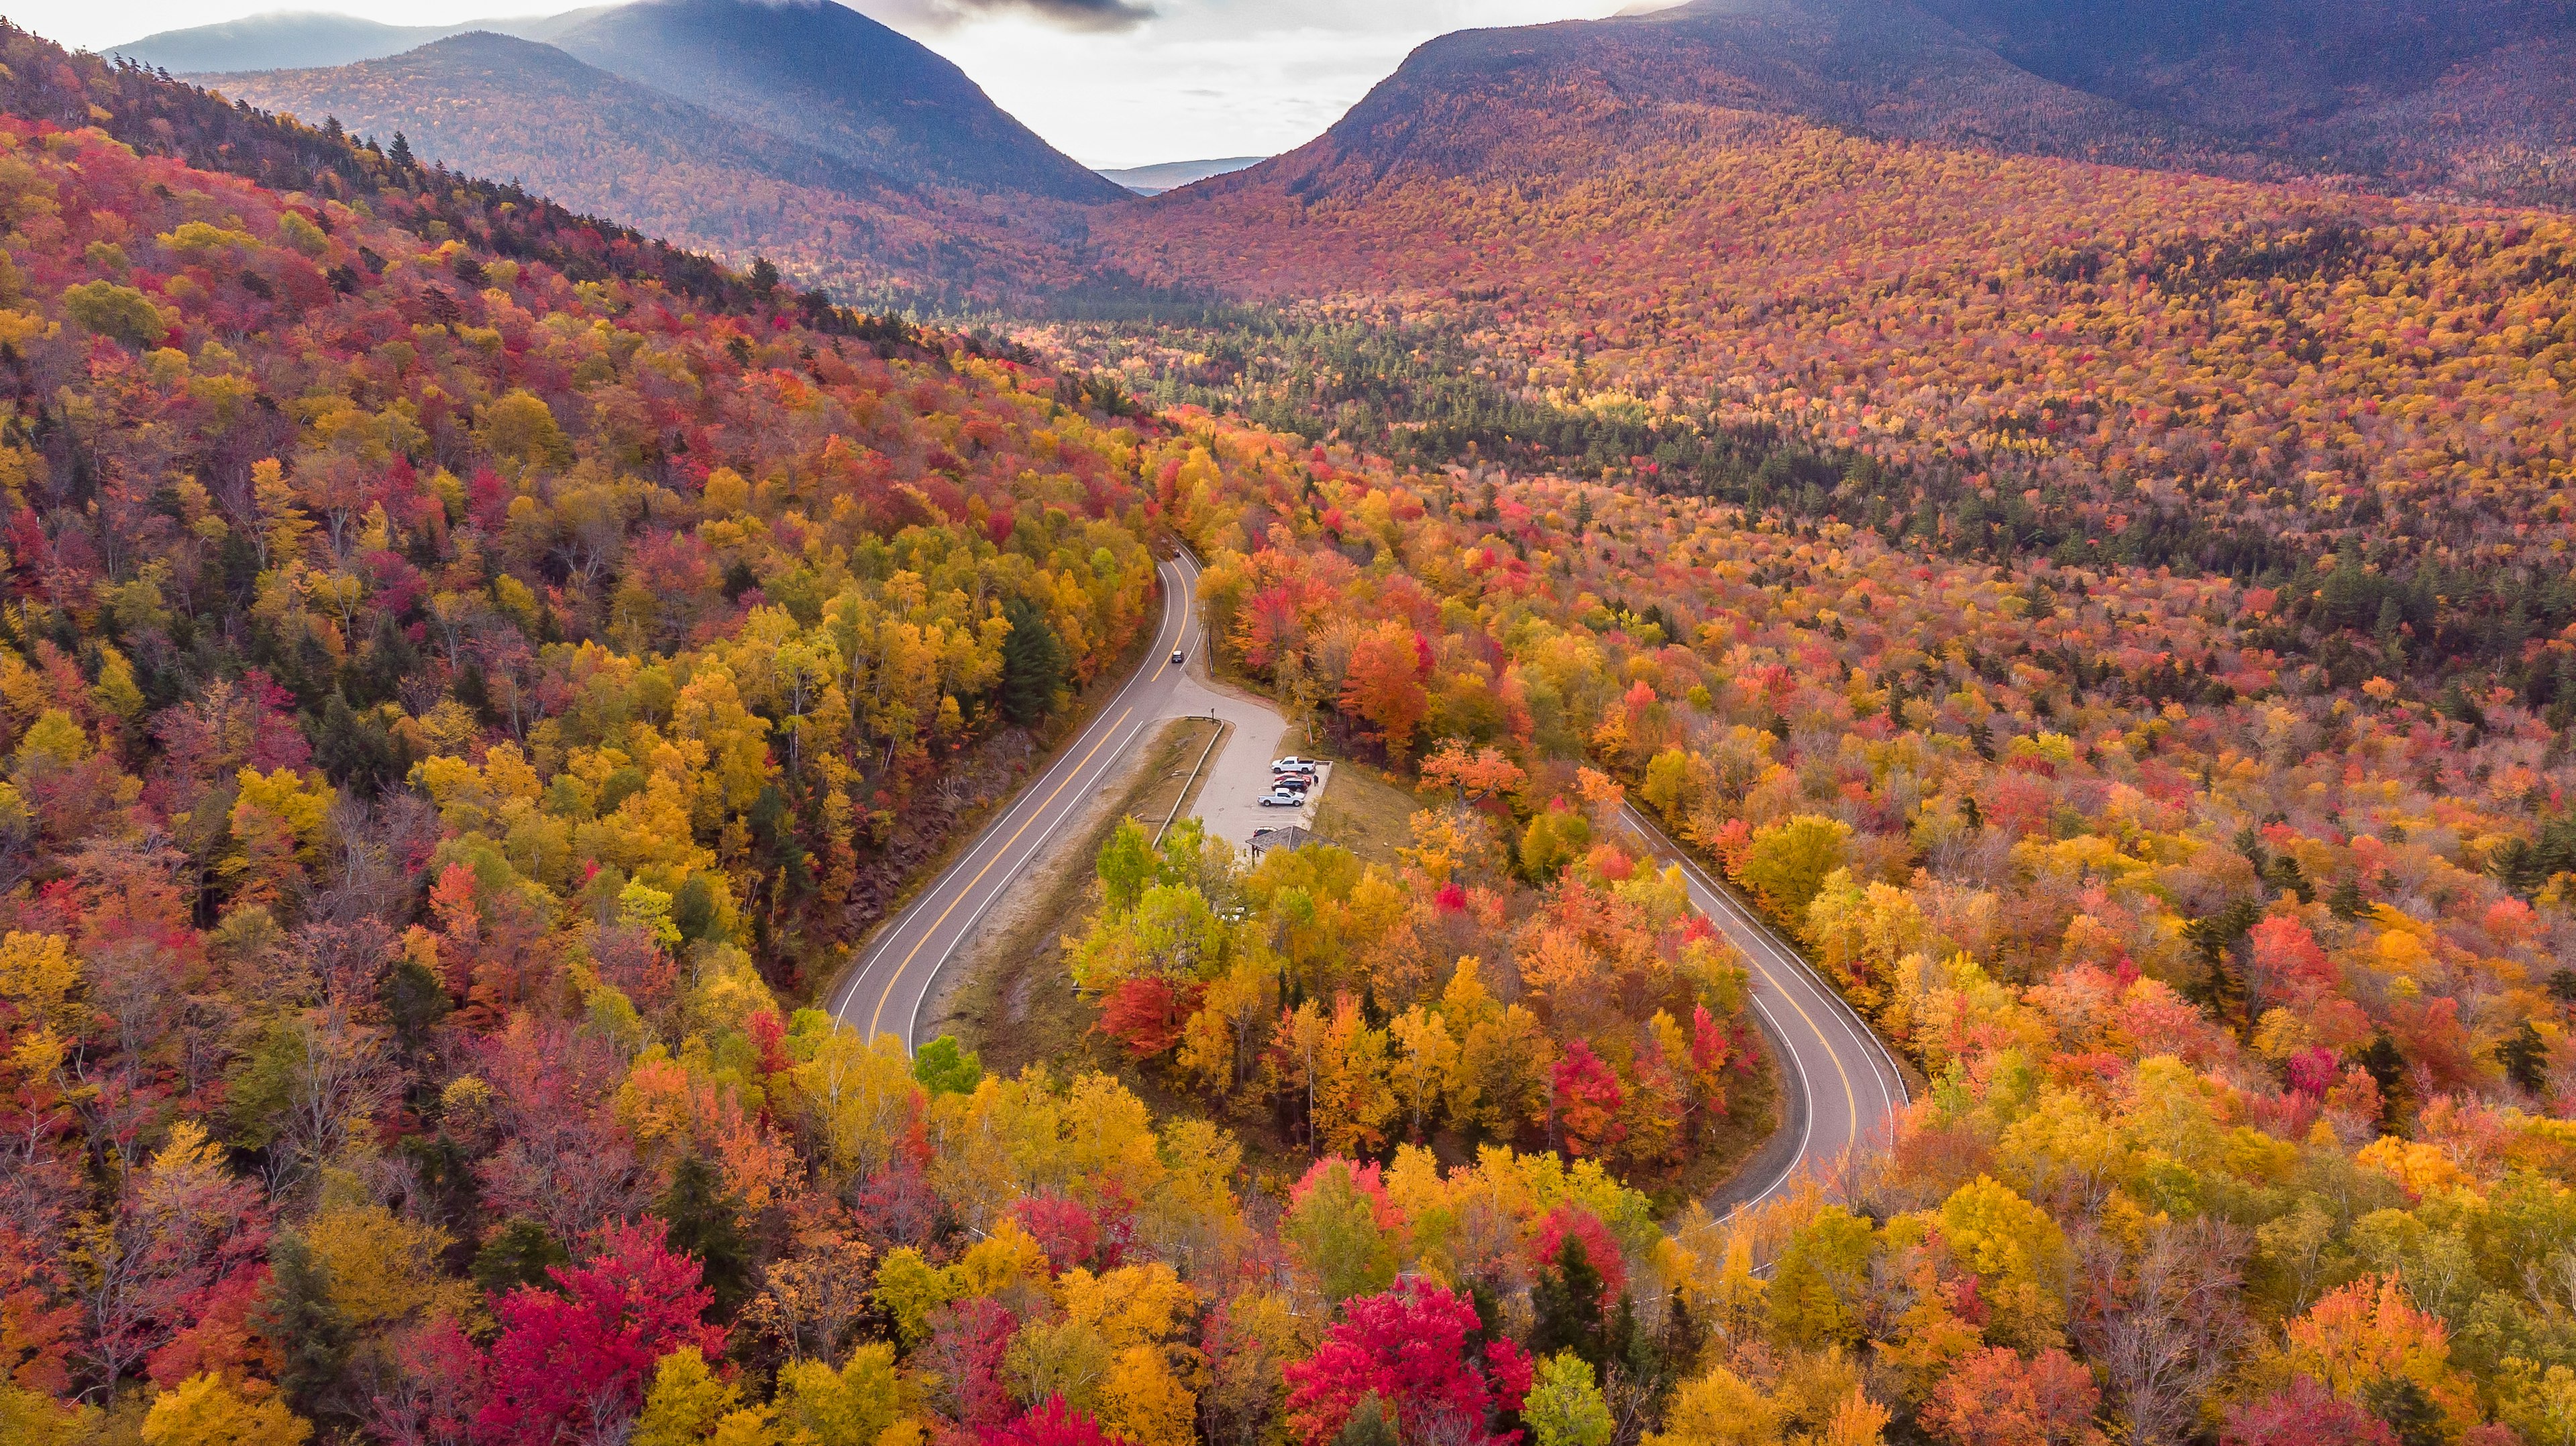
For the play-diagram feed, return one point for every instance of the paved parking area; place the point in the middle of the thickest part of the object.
(1230, 800)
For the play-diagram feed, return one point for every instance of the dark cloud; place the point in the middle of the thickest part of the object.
(1071, 14)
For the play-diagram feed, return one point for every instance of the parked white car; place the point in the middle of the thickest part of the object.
(1280, 798)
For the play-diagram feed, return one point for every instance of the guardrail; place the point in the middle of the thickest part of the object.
(1184, 795)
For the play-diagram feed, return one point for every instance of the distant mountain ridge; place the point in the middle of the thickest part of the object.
(810, 71)
(1882, 67)
(2477, 98)
(803, 131)
(823, 74)
(468, 98)
(1164, 176)
(284, 40)
(2472, 95)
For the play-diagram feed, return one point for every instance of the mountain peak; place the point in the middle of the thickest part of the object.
(825, 75)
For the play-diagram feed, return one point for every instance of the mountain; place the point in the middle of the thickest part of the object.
(497, 105)
(1875, 67)
(823, 74)
(811, 71)
(2409, 95)
(308, 39)
(285, 39)
(2475, 95)
(1154, 180)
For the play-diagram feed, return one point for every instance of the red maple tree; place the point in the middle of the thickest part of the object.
(565, 1361)
(1419, 1349)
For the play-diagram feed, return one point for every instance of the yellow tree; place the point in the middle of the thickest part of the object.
(1352, 1098)
(1425, 1065)
(206, 1410)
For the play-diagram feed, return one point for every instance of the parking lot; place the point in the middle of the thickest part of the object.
(1231, 801)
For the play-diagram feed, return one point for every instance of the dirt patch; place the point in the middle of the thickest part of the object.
(1366, 814)
(1005, 993)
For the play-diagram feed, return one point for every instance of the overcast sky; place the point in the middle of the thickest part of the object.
(1110, 82)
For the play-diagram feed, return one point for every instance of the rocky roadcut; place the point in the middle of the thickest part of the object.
(1742, 491)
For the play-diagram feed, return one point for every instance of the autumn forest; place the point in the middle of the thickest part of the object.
(473, 672)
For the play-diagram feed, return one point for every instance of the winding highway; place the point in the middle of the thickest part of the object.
(1843, 1087)
(884, 993)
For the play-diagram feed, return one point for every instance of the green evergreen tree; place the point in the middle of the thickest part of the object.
(1566, 1299)
(2408, 1411)
(705, 1224)
(519, 1253)
(2525, 1056)
(2387, 1066)
(1369, 1424)
(1033, 663)
(2562, 986)
(415, 1002)
(312, 1336)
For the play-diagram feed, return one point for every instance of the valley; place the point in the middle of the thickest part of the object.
(1941, 633)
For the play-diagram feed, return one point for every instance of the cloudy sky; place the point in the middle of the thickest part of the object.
(1111, 82)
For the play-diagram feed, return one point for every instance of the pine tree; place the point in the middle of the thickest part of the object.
(1567, 1301)
(1033, 663)
(703, 1224)
(414, 1003)
(519, 1253)
(1368, 1425)
(312, 1335)
(2525, 1056)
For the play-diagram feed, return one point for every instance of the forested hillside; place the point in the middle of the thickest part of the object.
(2003, 357)
(468, 672)
(2464, 95)
(802, 132)
(607, 145)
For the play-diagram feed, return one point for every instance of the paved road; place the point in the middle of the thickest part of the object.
(1844, 1088)
(885, 992)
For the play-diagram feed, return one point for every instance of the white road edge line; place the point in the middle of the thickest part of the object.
(994, 830)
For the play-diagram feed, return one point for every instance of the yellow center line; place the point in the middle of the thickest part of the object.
(1851, 1102)
(875, 1018)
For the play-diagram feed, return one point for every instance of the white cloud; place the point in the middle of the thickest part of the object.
(1208, 78)
(1189, 79)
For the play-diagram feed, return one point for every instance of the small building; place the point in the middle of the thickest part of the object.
(1292, 837)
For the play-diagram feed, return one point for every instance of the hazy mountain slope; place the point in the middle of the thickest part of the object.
(823, 74)
(1170, 175)
(1882, 68)
(2470, 94)
(308, 39)
(285, 39)
(2251, 66)
(809, 70)
(496, 105)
